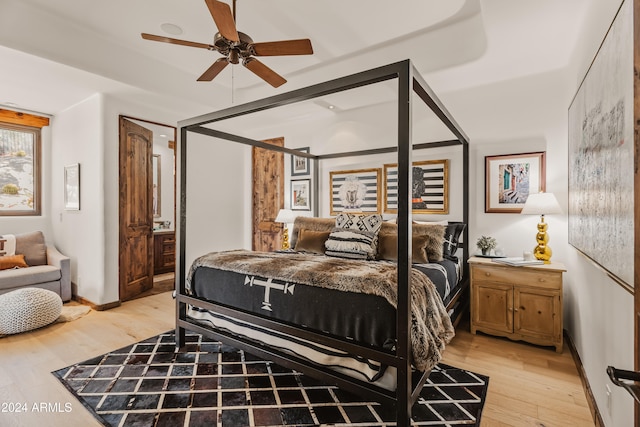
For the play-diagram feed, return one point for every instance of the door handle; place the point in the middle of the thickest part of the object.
(618, 377)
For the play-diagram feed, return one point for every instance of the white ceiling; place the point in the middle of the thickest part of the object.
(56, 53)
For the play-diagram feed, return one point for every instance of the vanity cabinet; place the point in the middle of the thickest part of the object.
(164, 251)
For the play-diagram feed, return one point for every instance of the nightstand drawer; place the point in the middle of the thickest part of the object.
(516, 275)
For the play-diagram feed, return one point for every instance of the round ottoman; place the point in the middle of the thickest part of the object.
(27, 309)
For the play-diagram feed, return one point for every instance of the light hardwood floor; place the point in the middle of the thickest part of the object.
(528, 386)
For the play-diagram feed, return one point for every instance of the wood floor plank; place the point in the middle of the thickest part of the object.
(528, 385)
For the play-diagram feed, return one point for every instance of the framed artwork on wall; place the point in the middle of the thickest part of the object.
(430, 187)
(601, 155)
(72, 187)
(300, 165)
(355, 191)
(509, 179)
(301, 194)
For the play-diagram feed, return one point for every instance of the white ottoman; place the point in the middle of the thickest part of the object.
(27, 309)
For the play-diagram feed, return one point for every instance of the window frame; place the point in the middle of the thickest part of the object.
(37, 169)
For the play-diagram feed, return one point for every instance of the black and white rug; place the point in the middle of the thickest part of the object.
(149, 384)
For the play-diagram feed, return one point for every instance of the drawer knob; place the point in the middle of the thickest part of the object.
(486, 273)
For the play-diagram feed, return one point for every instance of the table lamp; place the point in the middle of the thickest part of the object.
(285, 216)
(541, 204)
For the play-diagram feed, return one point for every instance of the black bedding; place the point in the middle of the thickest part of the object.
(364, 318)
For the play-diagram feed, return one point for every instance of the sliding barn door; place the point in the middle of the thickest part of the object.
(268, 196)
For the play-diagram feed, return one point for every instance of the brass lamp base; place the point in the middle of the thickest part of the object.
(542, 252)
(285, 238)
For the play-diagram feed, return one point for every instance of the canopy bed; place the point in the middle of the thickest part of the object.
(393, 355)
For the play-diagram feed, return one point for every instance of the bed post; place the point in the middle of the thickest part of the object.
(181, 308)
(403, 313)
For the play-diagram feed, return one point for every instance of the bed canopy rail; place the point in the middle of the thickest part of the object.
(409, 81)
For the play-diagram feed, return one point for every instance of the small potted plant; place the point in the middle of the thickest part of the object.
(486, 243)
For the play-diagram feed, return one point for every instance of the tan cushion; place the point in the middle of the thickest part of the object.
(311, 241)
(33, 247)
(434, 237)
(12, 261)
(388, 248)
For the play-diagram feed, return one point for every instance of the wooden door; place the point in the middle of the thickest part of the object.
(136, 210)
(536, 313)
(268, 196)
(492, 306)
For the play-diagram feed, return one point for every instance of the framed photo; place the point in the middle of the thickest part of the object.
(430, 187)
(509, 179)
(356, 191)
(301, 194)
(300, 165)
(602, 158)
(72, 187)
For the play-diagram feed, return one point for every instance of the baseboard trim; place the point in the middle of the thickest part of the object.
(94, 306)
(591, 401)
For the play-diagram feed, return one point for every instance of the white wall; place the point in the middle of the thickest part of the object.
(602, 316)
(78, 138)
(217, 202)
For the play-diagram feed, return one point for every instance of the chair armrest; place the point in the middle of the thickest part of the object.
(63, 262)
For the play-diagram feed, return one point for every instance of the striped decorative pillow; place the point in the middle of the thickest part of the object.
(352, 244)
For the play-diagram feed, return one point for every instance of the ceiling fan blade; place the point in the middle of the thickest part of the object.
(222, 16)
(284, 47)
(175, 41)
(264, 72)
(214, 70)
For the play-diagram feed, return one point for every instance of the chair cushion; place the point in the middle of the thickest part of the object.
(27, 309)
(15, 278)
(33, 247)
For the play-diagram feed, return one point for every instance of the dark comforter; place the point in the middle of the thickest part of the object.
(354, 299)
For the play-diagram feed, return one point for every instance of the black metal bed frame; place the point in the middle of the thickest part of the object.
(408, 384)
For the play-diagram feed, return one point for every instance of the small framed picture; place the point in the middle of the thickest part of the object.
(355, 191)
(301, 194)
(509, 179)
(300, 165)
(72, 187)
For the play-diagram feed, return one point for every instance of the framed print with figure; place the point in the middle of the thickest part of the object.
(301, 194)
(355, 191)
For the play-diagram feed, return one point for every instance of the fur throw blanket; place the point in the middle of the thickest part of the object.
(431, 326)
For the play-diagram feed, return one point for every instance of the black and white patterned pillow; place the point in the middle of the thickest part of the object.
(352, 244)
(355, 236)
(371, 223)
(452, 239)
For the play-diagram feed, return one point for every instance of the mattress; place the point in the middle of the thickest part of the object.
(363, 318)
(360, 317)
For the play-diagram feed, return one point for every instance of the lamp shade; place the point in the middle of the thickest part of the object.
(541, 204)
(285, 216)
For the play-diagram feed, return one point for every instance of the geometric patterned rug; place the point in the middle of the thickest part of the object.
(207, 383)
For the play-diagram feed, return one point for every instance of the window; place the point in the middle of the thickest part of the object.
(20, 152)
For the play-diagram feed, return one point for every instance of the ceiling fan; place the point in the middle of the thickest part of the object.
(234, 45)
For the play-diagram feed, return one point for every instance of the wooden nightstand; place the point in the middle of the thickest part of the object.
(520, 303)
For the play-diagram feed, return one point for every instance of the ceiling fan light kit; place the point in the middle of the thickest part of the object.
(235, 45)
